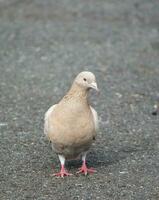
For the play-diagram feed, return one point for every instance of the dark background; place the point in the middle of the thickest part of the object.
(43, 45)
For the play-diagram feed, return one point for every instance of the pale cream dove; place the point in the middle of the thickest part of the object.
(71, 124)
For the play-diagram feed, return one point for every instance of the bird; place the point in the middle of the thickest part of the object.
(71, 125)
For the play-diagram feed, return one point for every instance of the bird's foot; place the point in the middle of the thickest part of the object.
(62, 172)
(84, 170)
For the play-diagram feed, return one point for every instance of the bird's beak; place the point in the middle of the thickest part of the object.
(94, 86)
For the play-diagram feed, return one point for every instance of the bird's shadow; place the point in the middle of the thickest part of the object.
(101, 157)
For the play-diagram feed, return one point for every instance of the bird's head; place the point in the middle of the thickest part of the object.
(86, 80)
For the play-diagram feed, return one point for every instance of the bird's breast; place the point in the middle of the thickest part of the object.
(72, 126)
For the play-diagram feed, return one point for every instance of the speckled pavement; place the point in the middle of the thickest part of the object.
(43, 46)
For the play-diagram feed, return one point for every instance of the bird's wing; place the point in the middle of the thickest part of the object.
(95, 118)
(46, 118)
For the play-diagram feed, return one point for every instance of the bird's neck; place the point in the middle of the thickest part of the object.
(78, 92)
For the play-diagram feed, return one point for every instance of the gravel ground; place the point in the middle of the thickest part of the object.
(43, 45)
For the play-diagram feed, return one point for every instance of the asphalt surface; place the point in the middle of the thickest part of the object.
(43, 45)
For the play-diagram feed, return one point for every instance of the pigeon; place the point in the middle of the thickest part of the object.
(71, 125)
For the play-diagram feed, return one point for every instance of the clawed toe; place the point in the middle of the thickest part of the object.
(84, 170)
(62, 174)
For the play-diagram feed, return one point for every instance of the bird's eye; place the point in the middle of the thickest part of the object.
(84, 79)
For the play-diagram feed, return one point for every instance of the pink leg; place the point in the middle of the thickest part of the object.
(63, 171)
(84, 168)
